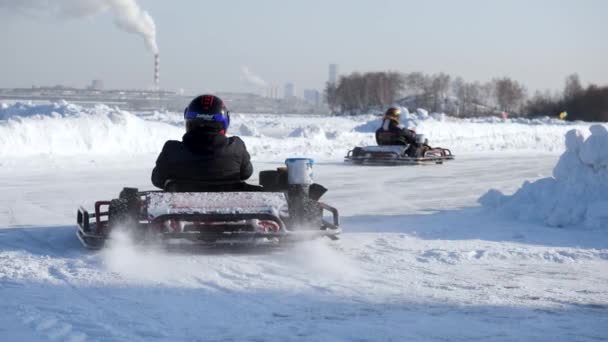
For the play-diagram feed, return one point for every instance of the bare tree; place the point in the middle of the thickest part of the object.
(416, 82)
(572, 87)
(362, 92)
(417, 85)
(590, 104)
(330, 96)
(395, 82)
(470, 99)
(439, 87)
(510, 95)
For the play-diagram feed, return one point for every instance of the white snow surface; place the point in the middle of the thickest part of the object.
(577, 194)
(65, 129)
(419, 259)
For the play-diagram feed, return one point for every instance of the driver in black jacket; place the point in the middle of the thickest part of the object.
(393, 133)
(205, 154)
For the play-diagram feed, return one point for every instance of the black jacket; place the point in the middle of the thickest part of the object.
(203, 156)
(391, 133)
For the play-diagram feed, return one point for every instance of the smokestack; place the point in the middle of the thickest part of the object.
(156, 72)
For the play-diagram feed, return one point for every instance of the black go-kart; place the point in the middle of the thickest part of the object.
(214, 213)
(396, 155)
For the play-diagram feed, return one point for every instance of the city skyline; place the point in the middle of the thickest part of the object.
(250, 47)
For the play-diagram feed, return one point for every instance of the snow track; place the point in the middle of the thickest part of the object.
(419, 260)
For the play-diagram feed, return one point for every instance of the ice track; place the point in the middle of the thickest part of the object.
(419, 261)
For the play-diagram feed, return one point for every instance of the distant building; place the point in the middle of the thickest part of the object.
(96, 85)
(312, 96)
(289, 91)
(333, 73)
(272, 92)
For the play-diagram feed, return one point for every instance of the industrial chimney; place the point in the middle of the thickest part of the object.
(156, 73)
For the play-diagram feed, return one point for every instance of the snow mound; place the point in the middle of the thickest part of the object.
(577, 194)
(309, 131)
(483, 134)
(68, 129)
(369, 127)
(422, 113)
(248, 131)
(71, 130)
(439, 116)
(61, 109)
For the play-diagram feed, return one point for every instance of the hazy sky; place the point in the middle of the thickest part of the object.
(205, 45)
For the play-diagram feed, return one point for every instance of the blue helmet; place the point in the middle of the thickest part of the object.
(207, 111)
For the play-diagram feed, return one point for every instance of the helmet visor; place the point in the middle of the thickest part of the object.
(223, 118)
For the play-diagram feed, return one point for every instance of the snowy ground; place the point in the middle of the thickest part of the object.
(419, 259)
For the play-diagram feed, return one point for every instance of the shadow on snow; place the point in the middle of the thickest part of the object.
(475, 224)
(175, 314)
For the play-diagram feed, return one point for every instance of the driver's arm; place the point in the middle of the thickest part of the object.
(409, 135)
(246, 167)
(160, 173)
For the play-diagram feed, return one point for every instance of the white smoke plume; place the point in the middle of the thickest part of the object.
(252, 78)
(128, 16)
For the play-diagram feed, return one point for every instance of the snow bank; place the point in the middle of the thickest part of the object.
(248, 131)
(576, 194)
(67, 129)
(309, 131)
(484, 134)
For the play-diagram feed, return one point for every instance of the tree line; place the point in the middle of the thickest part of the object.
(364, 92)
(587, 104)
(361, 92)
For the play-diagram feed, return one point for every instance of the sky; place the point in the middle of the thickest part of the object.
(243, 45)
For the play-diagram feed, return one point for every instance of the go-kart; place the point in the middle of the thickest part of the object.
(284, 208)
(396, 155)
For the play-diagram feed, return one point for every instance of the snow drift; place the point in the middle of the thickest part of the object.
(68, 129)
(576, 194)
(483, 134)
